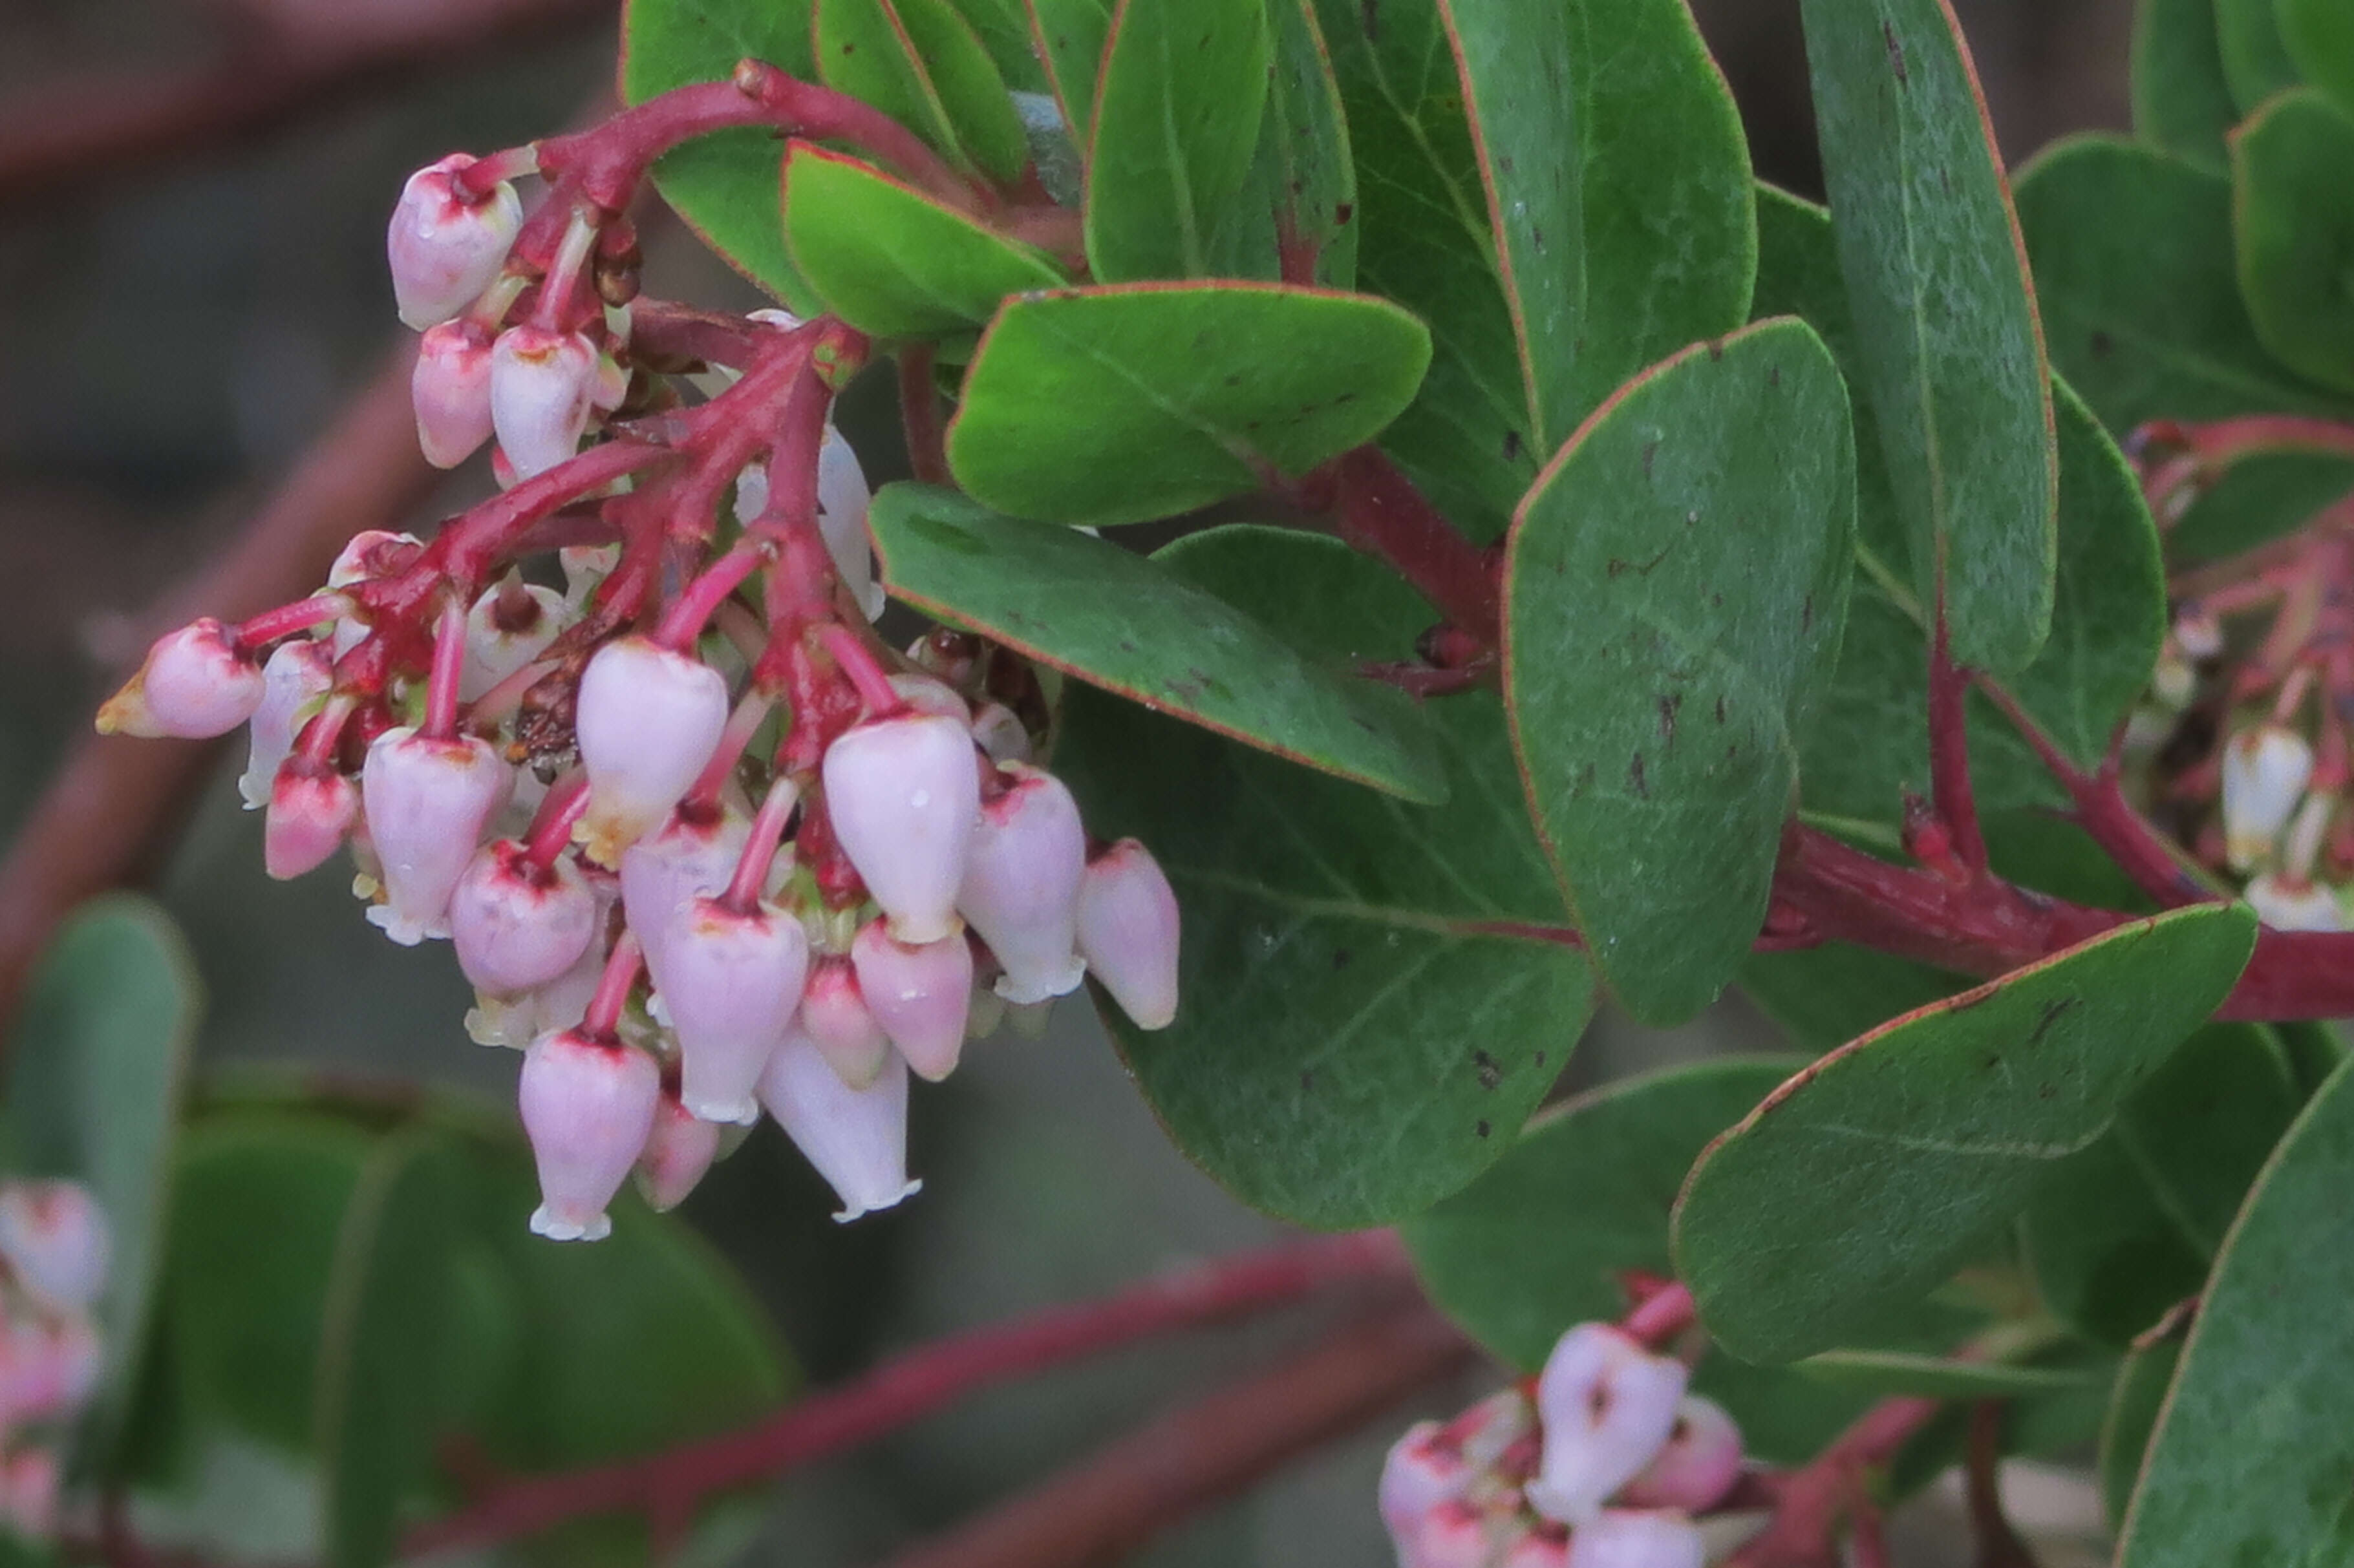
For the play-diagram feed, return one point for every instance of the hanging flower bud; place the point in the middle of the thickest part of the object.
(29, 1483)
(517, 925)
(541, 383)
(648, 720)
(1607, 1406)
(450, 390)
(196, 684)
(1421, 1472)
(678, 1151)
(1002, 736)
(1699, 1464)
(1626, 1538)
(694, 854)
(54, 1239)
(588, 1108)
(561, 1003)
(903, 794)
(312, 808)
(1460, 1533)
(1127, 932)
(446, 249)
(372, 553)
(509, 626)
(985, 1012)
(732, 981)
(842, 498)
(919, 995)
(1022, 883)
(298, 675)
(428, 801)
(857, 1138)
(2289, 903)
(838, 1022)
(2265, 770)
(49, 1365)
(926, 695)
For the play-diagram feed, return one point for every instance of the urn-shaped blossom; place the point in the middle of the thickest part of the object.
(49, 1365)
(857, 1138)
(54, 1239)
(693, 852)
(2265, 770)
(1631, 1538)
(649, 718)
(312, 809)
(678, 1151)
(509, 626)
(450, 388)
(293, 679)
(904, 793)
(1127, 932)
(836, 1018)
(1698, 1464)
(518, 925)
(588, 1108)
(196, 683)
(1421, 1471)
(428, 800)
(542, 384)
(1021, 888)
(446, 247)
(1606, 1406)
(1462, 1533)
(920, 995)
(731, 980)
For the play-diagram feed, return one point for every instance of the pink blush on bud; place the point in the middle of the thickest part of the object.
(312, 809)
(519, 926)
(443, 248)
(904, 795)
(1607, 1406)
(450, 390)
(1128, 930)
(734, 981)
(294, 678)
(429, 801)
(589, 1109)
(678, 1152)
(1021, 887)
(648, 720)
(920, 996)
(1699, 1464)
(196, 684)
(856, 1139)
(542, 384)
(54, 1239)
(836, 1018)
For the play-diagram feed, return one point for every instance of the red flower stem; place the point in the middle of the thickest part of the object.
(751, 709)
(914, 1385)
(858, 662)
(1999, 1544)
(1949, 754)
(920, 415)
(289, 619)
(743, 894)
(1813, 1498)
(1662, 1316)
(684, 620)
(1381, 512)
(551, 828)
(2221, 443)
(447, 669)
(317, 742)
(603, 1018)
(494, 707)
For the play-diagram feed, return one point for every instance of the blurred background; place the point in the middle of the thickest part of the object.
(183, 317)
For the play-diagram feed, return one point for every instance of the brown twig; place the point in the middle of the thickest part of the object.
(920, 415)
(1106, 1506)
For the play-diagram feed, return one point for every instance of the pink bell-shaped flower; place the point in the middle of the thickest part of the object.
(733, 979)
(517, 925)
(1002, 736)
(1421, 1471)
(838, 1023)
(588, 1108)
(311, 809)
(919, 995)
(561, 1003)
(678, 1151)
(509, 626)
(428, 800)
(30, 1480)
(294, 678)
(1629, 1538)
(445, 248)
(903, 794)
(1020, 889)
(49, 1365)
(196, 683)
(1460, 1533)
(1699, 1464)
(542, 382)
(2265, 770)
(691, 854)
(54, 1239)
(857, 1138)
(648, 720)
(449, 387)
(1607, 1406)
(1127, 932)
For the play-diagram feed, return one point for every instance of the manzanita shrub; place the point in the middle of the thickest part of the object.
(1599, 574)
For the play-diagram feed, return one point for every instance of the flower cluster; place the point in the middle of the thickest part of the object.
(702, 842)
(1602, 1464)
(54, 1243)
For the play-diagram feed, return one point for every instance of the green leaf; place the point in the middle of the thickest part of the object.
(2256, 63)
(1869, 1177)
(1883, 1373)
(1071, 35)
(987, 125)
(1370, 1002)
(1125, 403)
(1004, 29)
(2295, 222)
(1178, 105)
(920, 63)
(2181, 101)
(1133, 626)
(2134, 1407)
(1828, 995)
(1949, 350)
(2319, 37)
(1296, 212)
(724, 186)
(1664, 228)
(1675, 586)
(382, 1345)
(890, 260)
(2252, 1453)
(97, 1069)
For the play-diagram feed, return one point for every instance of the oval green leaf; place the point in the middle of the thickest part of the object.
(2133, 1406)
(2319, 37)
(921, 63)
(1868, 1177)
(2257, 62)
(1070, 35)
(2295, 219)
(2181, 101)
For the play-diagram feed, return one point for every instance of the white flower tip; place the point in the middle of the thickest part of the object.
(571, 1227)
(405, 929)
(1042, 985)
(740, 1113)
(876, 1205)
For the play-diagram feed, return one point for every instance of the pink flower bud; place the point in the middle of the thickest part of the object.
(372, 553)
(1699, 1464)
(857, 1138)
(508, 628)
(843, 497)
(55, 1239)
(519, 926)
(444, 248)
(2288, 905)
(919, 995)
(450, 390)
(562, 1002)
(1458, 1533)
(1021, 887)
(1128, 931)
(928, 695)
(47, 1367)
(29, 1483)
(732, 981)
(1607, 1406)
(293, 681)
(836, 1017)
(196, 684)
(588, 1108)
(691, 855)
(905, 796)
(678, 1151)
(1487, 1431)
(648, 720)
(1624, 1538)
(428, 801)
(2265, 770)
(541, 384)
(1420, 1473)
(310, 810)
(1537, 1550)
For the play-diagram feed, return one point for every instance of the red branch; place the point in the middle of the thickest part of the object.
(920, 415)
(668, 1485)
(1813, 1499)
(1379, 511)
(1949, 755)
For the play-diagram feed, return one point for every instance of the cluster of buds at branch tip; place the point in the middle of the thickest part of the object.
(55, 1246)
